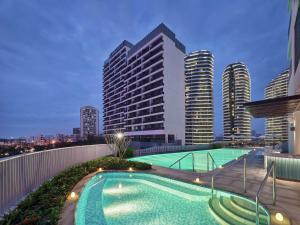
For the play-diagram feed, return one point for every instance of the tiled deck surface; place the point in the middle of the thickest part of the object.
(230, 179)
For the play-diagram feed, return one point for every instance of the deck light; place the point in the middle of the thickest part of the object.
(220, 167)
(73, 195)
(100, 169)
(279, 217)
(130, 169)
(197, 180)
(120, 186)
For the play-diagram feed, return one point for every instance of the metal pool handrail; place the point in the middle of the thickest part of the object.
(179, 160)
(214, 165)
(213, 161)
(272, 168)
(244, 174)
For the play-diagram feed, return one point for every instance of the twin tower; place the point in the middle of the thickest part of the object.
(236, 87)
(154, 92)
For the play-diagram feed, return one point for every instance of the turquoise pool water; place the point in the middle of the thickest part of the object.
(117, 198)
(221, 156)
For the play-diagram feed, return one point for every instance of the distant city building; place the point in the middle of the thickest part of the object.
(143, 88)
(236, 92)
(276, 128)
(199, 116)
(76, 131)
(76, 134)
(60, 137)
(89, 121)
(40, 140)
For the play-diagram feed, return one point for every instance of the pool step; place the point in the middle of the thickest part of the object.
(231, 213)
(245, 205)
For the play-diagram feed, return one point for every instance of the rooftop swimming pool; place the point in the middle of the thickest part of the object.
(117, 198)
(200, 158)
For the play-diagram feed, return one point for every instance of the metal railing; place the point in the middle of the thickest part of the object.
(209, 156)
(244, 175)
(272, 168)
(179, 161)
(214, 165)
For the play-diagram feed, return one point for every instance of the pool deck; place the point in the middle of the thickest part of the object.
(231, 179)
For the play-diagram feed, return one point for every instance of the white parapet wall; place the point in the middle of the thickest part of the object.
(22, 174)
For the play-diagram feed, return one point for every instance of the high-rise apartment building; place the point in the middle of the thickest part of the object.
(199, 116)
(276, 128)
(114, 88)
(89, 121)
(236, 92)
(143, 88)
(76, 131)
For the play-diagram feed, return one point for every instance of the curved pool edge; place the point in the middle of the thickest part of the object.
(67, 216)
(72, 216)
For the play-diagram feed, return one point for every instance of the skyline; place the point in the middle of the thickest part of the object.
(44, 41)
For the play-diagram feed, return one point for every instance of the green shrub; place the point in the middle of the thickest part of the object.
(43, 207)
(129, 153)
(214, 146)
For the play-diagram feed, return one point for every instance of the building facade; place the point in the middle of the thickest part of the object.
(89, 121)
(143, 89)
(236, 88)
(114, 88)
(199, 116)
(294, 80)
(276, 128)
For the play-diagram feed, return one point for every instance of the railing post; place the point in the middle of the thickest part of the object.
(193, 162)
(212, 186)
(257, 211)
(245, 163)
(274, 182)
(207, 162)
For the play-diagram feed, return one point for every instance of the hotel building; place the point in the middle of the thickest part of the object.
(114, 88)
(236, 91)
(276, 128)
(294, 81)
(143, 88)
(89, 121)
(199, 116)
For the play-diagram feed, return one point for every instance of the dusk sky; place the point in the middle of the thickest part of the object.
(52, 52)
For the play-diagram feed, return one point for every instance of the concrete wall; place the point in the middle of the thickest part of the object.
(286, 167)
(174, 90)
(22, 174)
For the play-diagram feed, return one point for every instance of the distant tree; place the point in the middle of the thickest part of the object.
(38, 148)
